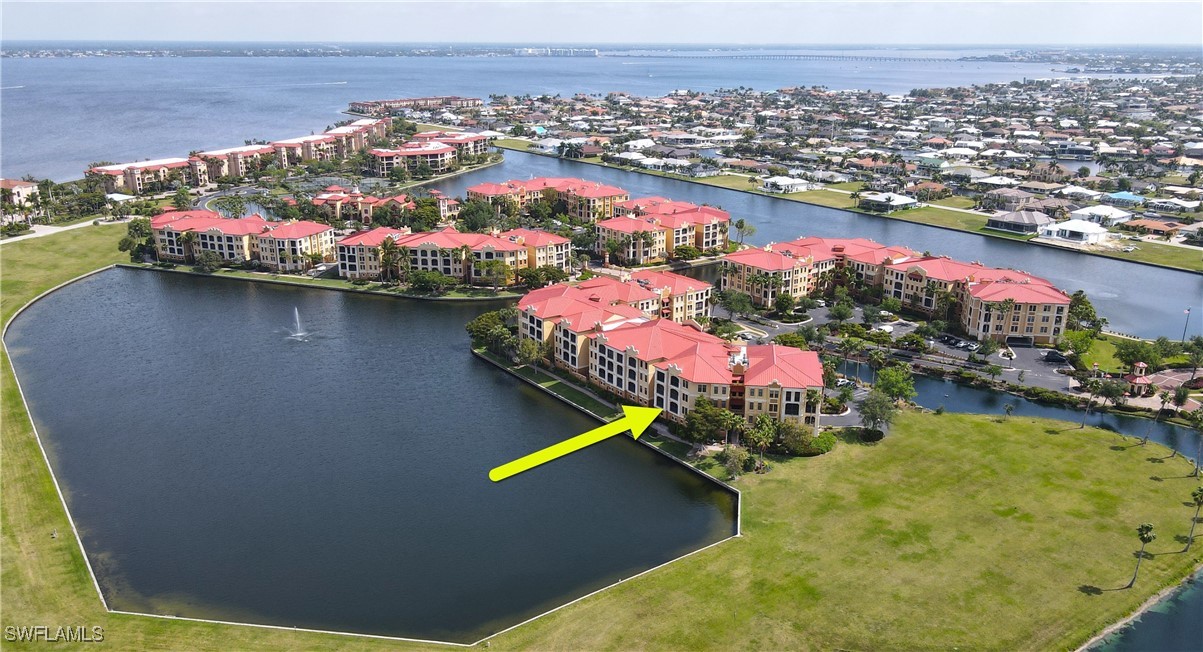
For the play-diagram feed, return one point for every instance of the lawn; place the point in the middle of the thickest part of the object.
(955, 201)
(1160, 254)
(851, 186)
(941, 217)
(824, 198)
(955, 531)
(512, 143)
(1102, 352)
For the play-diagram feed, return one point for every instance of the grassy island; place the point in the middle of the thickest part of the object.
(954, 531)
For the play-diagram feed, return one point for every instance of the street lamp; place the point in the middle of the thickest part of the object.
(1186, 325)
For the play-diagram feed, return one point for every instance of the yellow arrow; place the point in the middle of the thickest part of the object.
(636, 419)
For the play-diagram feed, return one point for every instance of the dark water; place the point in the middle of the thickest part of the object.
(1137, 299)
(59, 115)
(219, 468)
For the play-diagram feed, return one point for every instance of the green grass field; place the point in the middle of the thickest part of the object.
(1161, 254)
(824, 198)
(955, 201)
(954, 531)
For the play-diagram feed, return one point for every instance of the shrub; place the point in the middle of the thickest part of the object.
(797, 440)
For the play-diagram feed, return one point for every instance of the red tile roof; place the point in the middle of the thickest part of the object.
(295, 230)
(533, 237)
(674, 283)
(372, 238)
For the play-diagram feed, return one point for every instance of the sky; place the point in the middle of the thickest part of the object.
(538, 22)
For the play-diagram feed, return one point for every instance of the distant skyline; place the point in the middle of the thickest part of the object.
(538, 22)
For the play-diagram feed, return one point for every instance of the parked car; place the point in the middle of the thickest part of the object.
(973, 347)
(843, 382)
(1055, 356)
(1129, 249)
(820, 303)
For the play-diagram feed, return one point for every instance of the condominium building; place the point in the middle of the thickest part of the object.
(359, 253)
(542, 248)
(340, 204)
(585, 200)
(461, 254)
(234, 161)
(1007, 310)
(296, 246)
(317, 147)
(465, 144)
(567, 317)
(22, 191)
(773, 270)
(233, 240)
(668, 365)
(680, 298)
(639, 240)
(147, 176)
(704, 227)
(409, 156)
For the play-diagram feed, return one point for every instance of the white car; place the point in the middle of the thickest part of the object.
(885, 329)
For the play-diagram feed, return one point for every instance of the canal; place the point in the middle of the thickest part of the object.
(1138, 299)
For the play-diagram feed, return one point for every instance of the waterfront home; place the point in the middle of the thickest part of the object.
(296, 246)
(1123, 198)
(1155, 227)
(542, 248)
(786, 185)
(886, 202)
(1007, 199)
(359, 253)
(21, 192)
(233, 240)
(1026, 222)
(1102, 215)
(1076, 231)
(680, 298)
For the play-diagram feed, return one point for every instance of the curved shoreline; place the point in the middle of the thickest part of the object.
(857, 212)
(1153, 601)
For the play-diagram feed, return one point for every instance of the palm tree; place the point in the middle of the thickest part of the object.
(877, 360)
(187, 241)
(743, 229)
(1197, 497)
(1093, 386)
(388, 258)
(1165, 398)
(1195, 360)
(1147, 536)
(464, 253)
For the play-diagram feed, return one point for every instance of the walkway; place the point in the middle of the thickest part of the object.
(42, 230)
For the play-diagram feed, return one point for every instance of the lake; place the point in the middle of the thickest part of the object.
(218, 467)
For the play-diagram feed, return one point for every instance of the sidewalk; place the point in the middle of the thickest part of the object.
(42, 230)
